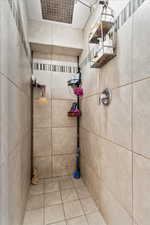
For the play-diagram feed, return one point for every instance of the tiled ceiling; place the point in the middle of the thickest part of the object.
(58, 10)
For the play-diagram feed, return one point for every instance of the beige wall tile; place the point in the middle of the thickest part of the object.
(141, 32)
(117, 72)
(42, 142)
(14, 112)
(64, 58)
(4, 193)
(141, 111)
(90, 114)
(116, 172)
(90, 80)
(64, 140)
(15, 203)
(14, 62)
(91, 150)
(43, 165)
(115, 120)
(112, 210)
(60, 88)
(60, 111)
(141, 188)
(117, 201)
(63, 165)
(42, 114)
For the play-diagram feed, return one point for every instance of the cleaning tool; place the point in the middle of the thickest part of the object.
(77, 174)
(75, 83)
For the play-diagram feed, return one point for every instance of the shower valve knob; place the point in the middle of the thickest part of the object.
(105, 97)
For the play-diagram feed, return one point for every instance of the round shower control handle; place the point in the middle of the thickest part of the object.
(105, 97)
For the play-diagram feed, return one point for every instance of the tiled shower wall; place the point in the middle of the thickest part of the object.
(15, 75)
(115, 139)
(54, 133)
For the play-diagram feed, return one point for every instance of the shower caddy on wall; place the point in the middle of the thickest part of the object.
(75, 83)
(102, 38)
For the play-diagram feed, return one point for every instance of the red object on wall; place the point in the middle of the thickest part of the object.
(78, 91)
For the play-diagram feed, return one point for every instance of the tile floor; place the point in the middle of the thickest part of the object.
(61, 201)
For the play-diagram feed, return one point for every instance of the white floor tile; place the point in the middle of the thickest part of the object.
(54, 214)
(34, 217)
(66, 183)
(95, 219)
(69, 195)
(73, 209)
(51, 186)
(83, 192)
(60, 223)
(35, 202)
(88, 205)
(52, 198)
(36, 189)
(78, 221)
(78, 182)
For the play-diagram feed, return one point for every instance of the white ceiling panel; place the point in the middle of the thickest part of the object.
(81, 12)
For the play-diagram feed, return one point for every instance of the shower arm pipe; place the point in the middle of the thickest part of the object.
(35, 84)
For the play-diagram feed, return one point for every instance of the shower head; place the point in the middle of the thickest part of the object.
(43, 98)
(36, 84)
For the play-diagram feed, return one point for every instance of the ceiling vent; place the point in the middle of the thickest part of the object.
(58, 10)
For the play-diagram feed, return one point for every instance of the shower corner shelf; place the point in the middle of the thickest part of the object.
(103, 37)
(102, 60)
(100, 30)
(74, 114)
(103, 53)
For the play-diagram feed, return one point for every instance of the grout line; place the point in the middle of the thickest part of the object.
(43, 203)
(123, 147)
(16, 85)
(93, 133)
(63, 99)
(62, 201)
(80, 202)
(36, 128)
(132, 112)
(145, 157)
(115, 88)
(112, 193)
(51, 130)
(65, 219)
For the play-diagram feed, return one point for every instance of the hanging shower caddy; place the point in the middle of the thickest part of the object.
(75, 83)
(102, 38)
